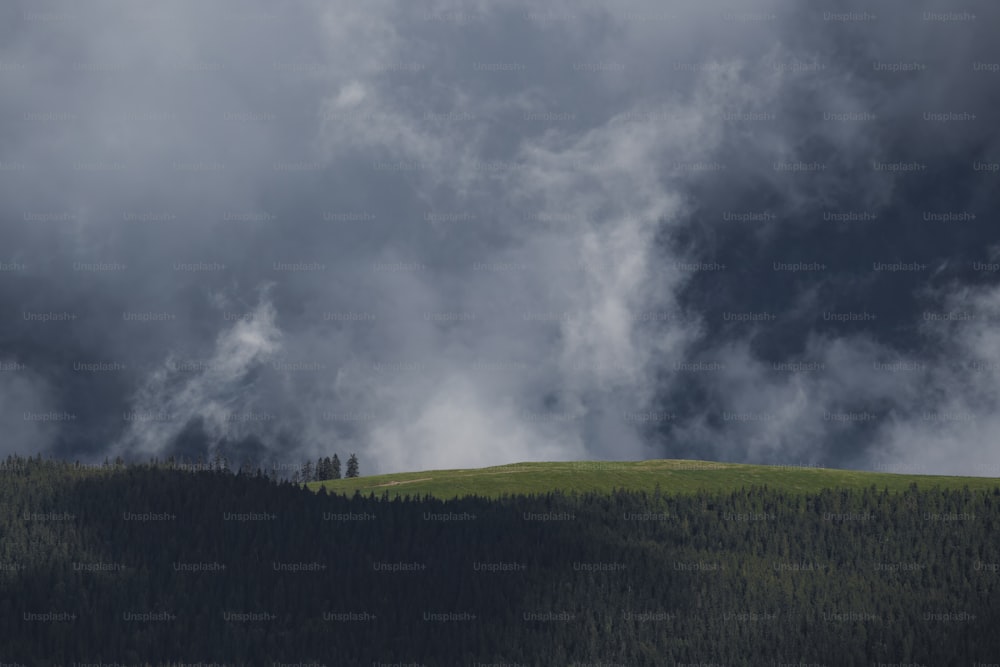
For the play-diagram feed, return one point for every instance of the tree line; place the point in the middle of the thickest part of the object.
(325, 468)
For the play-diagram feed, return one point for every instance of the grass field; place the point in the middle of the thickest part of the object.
(673, 476)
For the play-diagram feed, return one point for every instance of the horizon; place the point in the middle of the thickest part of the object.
(585, 465)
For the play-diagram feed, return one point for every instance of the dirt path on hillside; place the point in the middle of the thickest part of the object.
(409, 481)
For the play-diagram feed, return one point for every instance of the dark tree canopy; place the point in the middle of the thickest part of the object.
(155, 564)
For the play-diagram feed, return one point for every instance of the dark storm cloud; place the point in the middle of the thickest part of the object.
(464, 234)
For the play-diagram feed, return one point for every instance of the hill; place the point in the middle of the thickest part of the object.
(151, 565)
(673, 476)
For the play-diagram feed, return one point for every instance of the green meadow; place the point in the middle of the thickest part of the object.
(673, 476)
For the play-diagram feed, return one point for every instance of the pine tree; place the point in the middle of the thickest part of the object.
(307, 472)
(352, 466)
(322, 470)
(335, 467)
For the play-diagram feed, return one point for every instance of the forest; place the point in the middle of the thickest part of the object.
(150, 564)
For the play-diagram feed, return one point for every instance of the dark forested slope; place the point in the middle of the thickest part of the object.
(149, 565)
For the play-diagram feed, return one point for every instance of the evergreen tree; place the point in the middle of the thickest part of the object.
(307, 472)
(352, 466)
(217, 461)
(322, 468)
(335, 467)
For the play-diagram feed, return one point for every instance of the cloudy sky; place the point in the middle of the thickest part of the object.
(452, 234)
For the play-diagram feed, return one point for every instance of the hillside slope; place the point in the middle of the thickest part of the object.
(673, 476)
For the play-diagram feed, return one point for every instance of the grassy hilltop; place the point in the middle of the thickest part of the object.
(673, 476)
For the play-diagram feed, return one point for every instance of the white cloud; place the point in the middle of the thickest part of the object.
(216, 390)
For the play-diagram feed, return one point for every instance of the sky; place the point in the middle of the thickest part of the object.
(456, 234)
